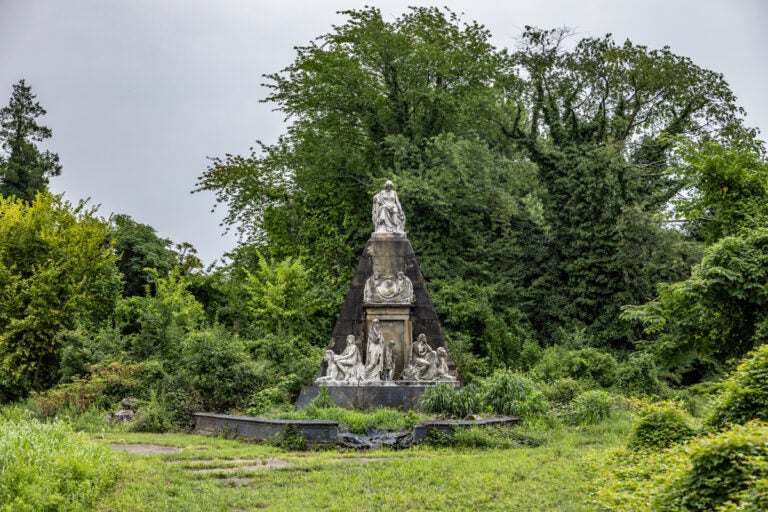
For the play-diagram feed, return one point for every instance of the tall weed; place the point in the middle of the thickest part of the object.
(47, 466)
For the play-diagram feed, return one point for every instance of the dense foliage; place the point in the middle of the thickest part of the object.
(745, 393)
(56, 273)
(532, 181)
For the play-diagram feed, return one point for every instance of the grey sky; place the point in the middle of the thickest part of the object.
(140, 92)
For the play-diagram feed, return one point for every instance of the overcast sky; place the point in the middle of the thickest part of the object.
(140, 92)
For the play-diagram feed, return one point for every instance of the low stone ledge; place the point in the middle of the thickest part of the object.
(447, 427)
(314, 431)
(403, 395)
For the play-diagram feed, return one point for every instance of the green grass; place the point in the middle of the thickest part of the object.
(48, 466)
(213, 473)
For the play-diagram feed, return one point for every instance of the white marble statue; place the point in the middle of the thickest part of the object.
(388, 216)
(344, 367)
(374, 357)
(389, 361)
(427, 364)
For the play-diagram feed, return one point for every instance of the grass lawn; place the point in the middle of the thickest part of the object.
(212, 473)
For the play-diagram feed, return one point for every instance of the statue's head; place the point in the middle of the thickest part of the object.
(350, 339)
(389, 185)
(422, 338)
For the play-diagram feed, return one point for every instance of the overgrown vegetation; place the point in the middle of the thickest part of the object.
(591, 220)
(47, 466)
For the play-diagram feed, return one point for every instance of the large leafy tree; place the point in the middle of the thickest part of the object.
(717, 315)
(142, 255)
(25, 169)
(56, 272)
(600, 129)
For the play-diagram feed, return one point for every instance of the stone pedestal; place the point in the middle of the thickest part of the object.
(404, 396)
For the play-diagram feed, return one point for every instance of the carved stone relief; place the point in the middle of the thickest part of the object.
(396, 289)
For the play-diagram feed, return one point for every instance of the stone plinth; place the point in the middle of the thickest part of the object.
(403, 395)
(389, 253)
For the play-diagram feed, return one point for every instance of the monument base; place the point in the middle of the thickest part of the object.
(403, 395)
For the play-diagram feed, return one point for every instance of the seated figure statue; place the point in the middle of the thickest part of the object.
(427, 364)
(344, 367)
(388, 216)
(423, 361)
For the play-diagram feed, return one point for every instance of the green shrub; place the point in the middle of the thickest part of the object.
(661, 425)
(638, 375)
(445, 399)
(563, 390)
(727, 471)
(292, 439)
(106, 384)
(510, 393)
(438, 399)
(47, 466)
(591, 407)
(359, 422)
(323, 400)
(154, 415)
(586, 364)
(218, 369)
(745, 394)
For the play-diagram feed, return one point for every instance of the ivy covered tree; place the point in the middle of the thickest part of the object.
(24, 169)
(142, 256)
(600, 125)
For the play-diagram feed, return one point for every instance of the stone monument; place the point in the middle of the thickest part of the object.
(372, 359)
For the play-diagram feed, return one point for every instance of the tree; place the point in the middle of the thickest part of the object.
(142, 255)
(56, 272)
(726, 187)
(26, 169)
(716, 316)
(599, 125)
(534, 178)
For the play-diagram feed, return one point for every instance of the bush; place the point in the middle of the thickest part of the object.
(728, 471)
(513, 394)
(563, 390)
(504, 392)
(217, 368)
(47, 466)
(106, 384)
(661, 425)
(445, 399)
(156, 415)
(745, 394)
(592, 407)
(585, 364)
(638, 375)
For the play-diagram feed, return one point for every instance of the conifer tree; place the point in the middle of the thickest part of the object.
(24, 168)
